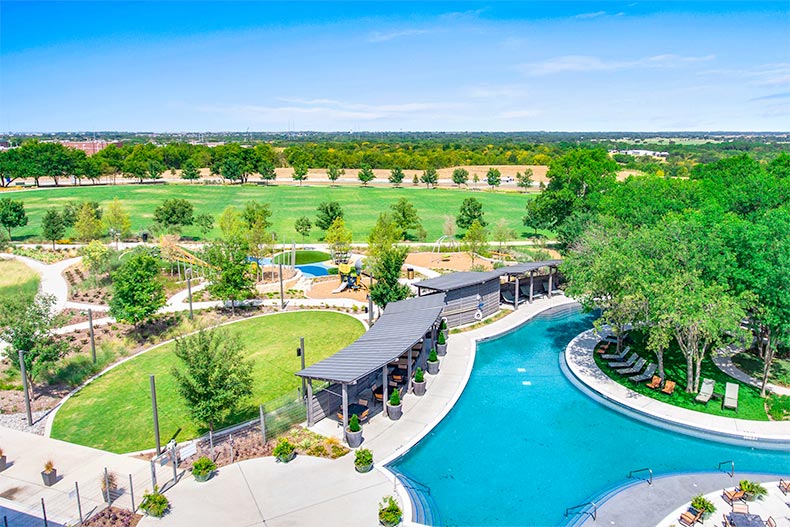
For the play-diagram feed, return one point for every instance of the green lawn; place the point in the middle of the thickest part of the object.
(17, 280)
(361, 205)
(751, 364)
(303, 257)
(750, 404)
(114, 412)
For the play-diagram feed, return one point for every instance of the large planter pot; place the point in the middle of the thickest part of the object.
(441, 349)
(354, 439)
(706, 515)
(202, 478)
(50, 477)
(446, 333)
(394, 412)
(419, 388)
(433, 367)
(286, 459)
(749, 496)
(3, 464)
(389, 524)
(363, 468)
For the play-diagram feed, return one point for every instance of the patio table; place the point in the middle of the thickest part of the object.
(742, 519)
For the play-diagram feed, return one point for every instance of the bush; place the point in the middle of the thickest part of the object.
(440, 339)
(363, 457)
(202, 466)
(353, 423)
(419, 375)
(155, 503)
(433, 357)
(283, 449)
(395, 398)
(443, 325)
(753, 488)
(389, 511)
(332, 271)
(701, 503)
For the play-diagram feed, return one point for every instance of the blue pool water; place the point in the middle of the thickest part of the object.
(313, 270)
(523, 443)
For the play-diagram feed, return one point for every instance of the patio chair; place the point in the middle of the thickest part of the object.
(636, 368)
(617, 356)
(649, 371)
(727, 522)
(655, 383)
(508, 297)
(627, 364)
(770, 522)
(602, 348)
(784, 486)
(740, 507)
(706, 391)
(731, 396)
(690, 518)
(669, 387)
(732, 495)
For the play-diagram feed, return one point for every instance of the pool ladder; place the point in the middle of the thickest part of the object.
(593, 514)
(649, 470)
(731, 473)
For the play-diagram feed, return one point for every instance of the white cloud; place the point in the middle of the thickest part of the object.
(378, 36)
(596, 14)
(774, 74)
(587, 63)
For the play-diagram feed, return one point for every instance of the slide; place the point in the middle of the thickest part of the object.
(340, 289)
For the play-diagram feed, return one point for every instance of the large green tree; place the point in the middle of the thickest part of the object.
(52, 226)
(405, 216)
(471, 210)
(230, 278)
(12, 214)
(328, 212)
(387, 273)
(174, 213)
(366, 175)
(136, 291)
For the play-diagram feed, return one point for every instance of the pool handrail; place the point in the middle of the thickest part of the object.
(650, 470)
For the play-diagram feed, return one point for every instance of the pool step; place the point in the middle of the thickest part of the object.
(424, 509)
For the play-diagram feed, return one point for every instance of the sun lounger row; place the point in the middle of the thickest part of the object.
(706, 392)
(624, 364)
(731, 396)
(617, 356)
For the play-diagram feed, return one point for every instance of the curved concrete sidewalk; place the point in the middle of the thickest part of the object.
(723, 361)
(52, 281)
(581, 362)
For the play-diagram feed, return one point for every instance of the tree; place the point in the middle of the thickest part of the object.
(524, 180)
(12, 214)
(471, 211)
(230, 278)
(52, 226)
(339, 239)
(257, 212)
(88, 225)
(383, 236)
(366, 175)
(30, 328)
(154, 169)
(493, 177)
(460, 176)
(328, 212)
(117, 221)
(475, 179)
(430, 177)
(175, 213)
(475, 239)
(137, 294)
(502, 233)
(405, 216)
(449, 229)
(387, 272)
(216, 376)
(190, 171)
(231, 223)
(300, 173)
(396, 176)
(532, 218)
(96, 257)
(205, 223)
(415, 180)
(267, 172)
(302, 225)
(333, 172)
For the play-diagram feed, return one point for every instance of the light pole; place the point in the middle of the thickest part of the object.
(188, 272)
(282, 297)
(300, 353)
(156, 416)
(24, 387)
(114, 235)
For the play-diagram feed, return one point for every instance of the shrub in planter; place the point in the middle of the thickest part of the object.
(389, 512)
(752, 490)
(433, 363)
(155, 503)
(701, 503)
(363, 460)
(419, 382)
(2, 460)
(443, 327)
(441, 344)
(394, 407)
(284, 451)
(354, 432)
(49, 474)
(203, 468)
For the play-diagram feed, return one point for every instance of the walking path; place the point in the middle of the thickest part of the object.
(723, 361)
(52, 281)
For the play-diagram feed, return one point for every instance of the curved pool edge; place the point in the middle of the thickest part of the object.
(501, 327)
(578, 365)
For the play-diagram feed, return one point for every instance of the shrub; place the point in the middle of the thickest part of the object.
(395, 398)
(284, 448)
(363, 457)
(155, 503)
(443, 325)
(701, 503)
(49, 466)
(332, 271)
(202, 466)
(389, 511)
(440, 339)
(433, 357)
(353, 423)
(753, 488)
(419, 375)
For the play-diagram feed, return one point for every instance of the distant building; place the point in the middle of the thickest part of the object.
(641, 153)
(89, 147)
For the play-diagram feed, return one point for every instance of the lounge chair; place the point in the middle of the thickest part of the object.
(732, 495)
(784, 486)
(690, 518)
(636, 368)
(770, 522)
(649, 371)
(731, 396)
(627, 364)
(706, 391)
(602, 348)
(524, 289)
(669, 387)
(740, 507)
(508, 297)
(617, 356)
(655, 383)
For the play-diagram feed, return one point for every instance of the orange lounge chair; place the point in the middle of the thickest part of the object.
(784, 486)
(669, 387)
(733, 495)
(655, 383)
(740, 507)
(688, 518)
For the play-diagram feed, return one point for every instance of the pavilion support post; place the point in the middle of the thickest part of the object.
(550, 281)
(517, 293)
(345, 408)
(408, 372)
(531, 286)
(309, 402)
(384, 390)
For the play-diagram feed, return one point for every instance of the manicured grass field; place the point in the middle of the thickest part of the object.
(751, 364)
(750, 404)
(303, 257)
(361, 205)
(17, 280)
(114, 412)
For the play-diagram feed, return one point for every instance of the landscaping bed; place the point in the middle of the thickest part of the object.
(751, 364)
(113, 517)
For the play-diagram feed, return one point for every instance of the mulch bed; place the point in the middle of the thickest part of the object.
(114, 517)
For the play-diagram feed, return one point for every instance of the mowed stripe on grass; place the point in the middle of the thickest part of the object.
(361, 205)
(114, 412)
(17, 280)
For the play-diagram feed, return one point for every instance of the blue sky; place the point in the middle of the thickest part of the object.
(460, 66)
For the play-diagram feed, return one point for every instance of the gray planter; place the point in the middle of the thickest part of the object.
(433, 367)
(286, 459)
(394, 412)
(419, 388)
(363, 468)
(446, 333)
(354, 439)
(441, 349)
(3, 464)
(50, 477)
(202, 478)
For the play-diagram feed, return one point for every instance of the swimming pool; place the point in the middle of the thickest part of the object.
(523, 443)
(312, 270)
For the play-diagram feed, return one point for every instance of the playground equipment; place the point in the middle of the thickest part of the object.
(183, 259)
(437, 247)
(350, 277)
